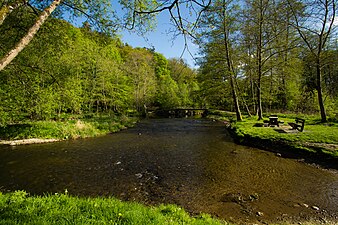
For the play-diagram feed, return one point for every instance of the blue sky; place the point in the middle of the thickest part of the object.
(162, 41)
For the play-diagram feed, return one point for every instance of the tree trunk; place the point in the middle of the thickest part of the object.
(29, 36)
(243, 99)
(259, 63)
(231, 70)
(285, 65)
(252, 90)
(259, 93)
(235, 98)
(320, 92)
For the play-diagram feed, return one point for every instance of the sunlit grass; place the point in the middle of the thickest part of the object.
(20, 208)
(314, 131)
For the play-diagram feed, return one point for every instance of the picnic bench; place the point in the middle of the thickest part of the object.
(298, 125)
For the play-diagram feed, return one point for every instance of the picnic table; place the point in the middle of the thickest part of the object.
(273, 120)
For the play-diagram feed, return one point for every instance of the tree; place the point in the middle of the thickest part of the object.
(139, 67)
(186, 79)
(256, 28)
(221, 40)
(29, 36)
(314, 21)
(268, 41)
(139, 15)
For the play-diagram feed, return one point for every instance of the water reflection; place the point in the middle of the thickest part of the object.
(193, 163)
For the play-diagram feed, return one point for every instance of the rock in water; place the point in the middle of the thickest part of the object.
(315, 207)
(260, 214)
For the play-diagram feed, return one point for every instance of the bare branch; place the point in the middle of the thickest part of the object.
(159, 9)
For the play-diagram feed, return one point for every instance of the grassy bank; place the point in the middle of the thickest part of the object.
(67, 128)
(317, 138)
(19, 208)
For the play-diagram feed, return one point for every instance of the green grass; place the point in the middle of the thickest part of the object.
(314, 131)
(20, 208)
(70, 128)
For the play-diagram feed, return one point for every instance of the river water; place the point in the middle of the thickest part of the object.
(188, 162)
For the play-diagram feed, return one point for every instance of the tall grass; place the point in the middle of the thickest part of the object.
(66, 129)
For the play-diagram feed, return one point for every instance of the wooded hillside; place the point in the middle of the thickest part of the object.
(76, 70)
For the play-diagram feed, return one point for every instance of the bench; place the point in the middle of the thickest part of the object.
(298, 125)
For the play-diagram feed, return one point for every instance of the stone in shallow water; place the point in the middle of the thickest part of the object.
(260, 214)
(305, 205)
(315, 207)
(139, 175)
(239, 198)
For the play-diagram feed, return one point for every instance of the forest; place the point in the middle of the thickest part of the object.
(68, 70)
(256, 56)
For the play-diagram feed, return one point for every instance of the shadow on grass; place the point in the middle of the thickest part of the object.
(12, 131)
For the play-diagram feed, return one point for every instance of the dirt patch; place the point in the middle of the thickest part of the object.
(328, 147)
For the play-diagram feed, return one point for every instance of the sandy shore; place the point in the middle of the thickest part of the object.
(27, 141)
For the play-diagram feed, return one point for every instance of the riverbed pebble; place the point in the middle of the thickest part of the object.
(139, 175)
(260, 214)
(315, 207)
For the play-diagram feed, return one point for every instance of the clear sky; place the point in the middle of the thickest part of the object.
(162, 41)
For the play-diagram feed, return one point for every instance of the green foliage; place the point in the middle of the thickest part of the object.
(20, 208)
(161, 65)
(79, 71)
(139, 67)
(167, 96)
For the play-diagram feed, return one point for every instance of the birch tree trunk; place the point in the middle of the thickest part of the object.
(230, 67)
(8, 58)
(259, 61)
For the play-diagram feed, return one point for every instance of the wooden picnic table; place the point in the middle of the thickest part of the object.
(273, 121)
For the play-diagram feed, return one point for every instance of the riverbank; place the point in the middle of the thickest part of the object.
(20, 208)
(34, 132)
(186, 162)
(318, 142)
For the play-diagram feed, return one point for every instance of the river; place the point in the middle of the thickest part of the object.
(189, 162)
